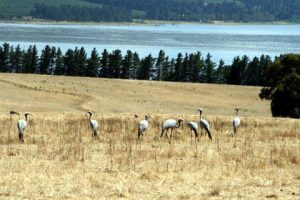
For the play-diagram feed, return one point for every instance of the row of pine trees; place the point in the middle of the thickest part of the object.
(192, 67)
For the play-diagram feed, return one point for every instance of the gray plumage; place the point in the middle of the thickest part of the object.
(21, 124)
(204, 124)
(93, 124)
(170, 124)
(236, 121)
(193, 128)
(142, 126)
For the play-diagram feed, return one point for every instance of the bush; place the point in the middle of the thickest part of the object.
(284, 86)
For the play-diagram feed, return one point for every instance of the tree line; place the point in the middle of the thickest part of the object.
(193, 67)
(174, 10)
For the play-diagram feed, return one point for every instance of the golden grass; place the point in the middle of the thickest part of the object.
(37, 93)
(60, 160)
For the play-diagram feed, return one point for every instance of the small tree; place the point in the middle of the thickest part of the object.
(82, 62)
(93, 64)
(104, 62)
(4, 57)
(45, 60)
(115, 64)
(210, 69)
(284, 91)
(17, 59)
(69, 62)
(127, 65)
(145, 71)
(135, 66)
(159, 65)
(166, 70)
(59, 64)
(34, 60)
(178, 66)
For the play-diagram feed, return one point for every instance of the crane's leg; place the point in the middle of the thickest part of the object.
(162, 132)
(191, 135)
(139, 134)
(21, 138)
(171, 134)
(167, 133)
(95, 134)
(143, 135)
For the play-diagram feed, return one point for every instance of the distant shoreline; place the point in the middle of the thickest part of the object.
(142, 23)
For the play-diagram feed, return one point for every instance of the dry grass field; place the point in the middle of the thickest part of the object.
(65, 94)
(60, 160)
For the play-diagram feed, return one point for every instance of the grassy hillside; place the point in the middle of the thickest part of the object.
(58, 93)
(23, 7)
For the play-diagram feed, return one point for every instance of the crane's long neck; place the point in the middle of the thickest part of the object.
(200, 115)
(26, 118)
(236, 113)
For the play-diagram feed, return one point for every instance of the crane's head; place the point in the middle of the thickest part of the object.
(27, 113)
(200, 110)
(14, 113)
(89, 113)
(147, 117)
(236, 108)
(136, 115)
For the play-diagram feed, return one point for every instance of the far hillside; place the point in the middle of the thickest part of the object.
(20, 8)
(44, 93)
(139, 10)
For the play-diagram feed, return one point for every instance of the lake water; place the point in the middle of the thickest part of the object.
(222, 41)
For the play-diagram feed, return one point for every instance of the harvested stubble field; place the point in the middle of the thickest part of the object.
(60, 160)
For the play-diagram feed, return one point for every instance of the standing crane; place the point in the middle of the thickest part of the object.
(170, 124)
(193, 128)
(22, 123)
(93, 124)
(142, 126)
(204, 124)
(236, 121)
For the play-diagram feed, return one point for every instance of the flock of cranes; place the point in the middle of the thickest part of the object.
(143, 125)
